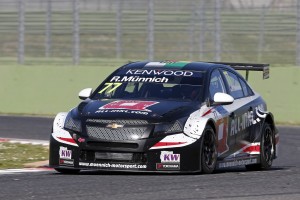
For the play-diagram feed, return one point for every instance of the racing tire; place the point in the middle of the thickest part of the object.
(208, 150)
(267, 149)
(67, 171)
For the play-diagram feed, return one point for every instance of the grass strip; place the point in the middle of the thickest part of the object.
(14, 156)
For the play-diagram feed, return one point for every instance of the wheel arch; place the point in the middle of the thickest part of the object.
(211, 123)
(270, 120)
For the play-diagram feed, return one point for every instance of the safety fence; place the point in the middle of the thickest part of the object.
(76, 31)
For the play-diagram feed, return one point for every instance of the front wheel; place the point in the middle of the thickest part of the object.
(208, 151)
(267, 149)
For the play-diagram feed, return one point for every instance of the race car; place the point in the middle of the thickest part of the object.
(167, 117)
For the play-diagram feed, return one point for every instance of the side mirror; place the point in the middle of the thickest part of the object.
(85, 93)
(222, 99)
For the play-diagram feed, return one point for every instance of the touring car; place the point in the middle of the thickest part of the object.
(167, 117)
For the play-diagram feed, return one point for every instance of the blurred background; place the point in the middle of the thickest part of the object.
(81, 30)
(50, 49)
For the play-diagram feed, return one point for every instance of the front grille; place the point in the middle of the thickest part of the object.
(113, 156)
(123, 122)
(94, 156)
(104, 133)
(128, 130)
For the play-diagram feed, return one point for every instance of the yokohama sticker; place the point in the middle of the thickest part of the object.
(67, 162)
(169, 161)
(129, 105)
(165, 166)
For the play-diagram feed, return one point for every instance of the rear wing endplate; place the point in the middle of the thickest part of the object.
(248, 67)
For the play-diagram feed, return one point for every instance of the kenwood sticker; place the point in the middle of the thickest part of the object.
(156, 72)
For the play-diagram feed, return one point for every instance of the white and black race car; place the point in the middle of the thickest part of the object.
(167, 117)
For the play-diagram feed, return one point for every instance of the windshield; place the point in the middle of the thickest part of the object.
(167, 84)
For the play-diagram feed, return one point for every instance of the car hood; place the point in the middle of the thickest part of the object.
(137, 109)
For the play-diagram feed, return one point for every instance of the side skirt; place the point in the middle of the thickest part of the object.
(238, 162)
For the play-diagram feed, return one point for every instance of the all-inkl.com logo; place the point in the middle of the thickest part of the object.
(129, 105)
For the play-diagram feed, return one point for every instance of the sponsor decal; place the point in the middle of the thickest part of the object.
(234, 163)
(67, 162)
(81, 140)
(139, 79)
(159, 72)
(167, 64)
(113, 165)
(164, 166)
(241, 122)
(169, 157)
(245, 120)
(169, 161)
(129, 105)
(123, 111)
(65, 153)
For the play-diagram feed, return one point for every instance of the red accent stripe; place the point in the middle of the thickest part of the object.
(255, 148)
(207, 112)
(160, 144)
(67, 139)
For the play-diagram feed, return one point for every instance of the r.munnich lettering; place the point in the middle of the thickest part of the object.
(139, 79)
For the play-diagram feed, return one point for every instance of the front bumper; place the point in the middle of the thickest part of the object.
(138, 156)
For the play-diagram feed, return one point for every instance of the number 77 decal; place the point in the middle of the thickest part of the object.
(108, 85)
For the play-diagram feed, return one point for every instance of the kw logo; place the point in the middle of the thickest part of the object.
(169, 157)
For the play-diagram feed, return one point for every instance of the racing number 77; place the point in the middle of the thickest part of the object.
(108, 85)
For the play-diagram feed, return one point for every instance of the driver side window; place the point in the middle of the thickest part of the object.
(216, 84)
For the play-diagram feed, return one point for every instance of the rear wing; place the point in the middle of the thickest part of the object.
(248, 67)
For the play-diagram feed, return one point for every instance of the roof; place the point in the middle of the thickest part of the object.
(179, 65)
(200, 66)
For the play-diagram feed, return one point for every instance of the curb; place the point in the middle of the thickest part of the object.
(25, 141)
(24, 170)
(38, 164)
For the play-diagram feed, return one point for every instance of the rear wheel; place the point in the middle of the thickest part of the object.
(267, 149)
(208, 151)
(67, 171)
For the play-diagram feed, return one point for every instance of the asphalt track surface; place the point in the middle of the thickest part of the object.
(281, 182)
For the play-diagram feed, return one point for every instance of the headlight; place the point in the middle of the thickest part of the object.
(72, 124)
(166, 128)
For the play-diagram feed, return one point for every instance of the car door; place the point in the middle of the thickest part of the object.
(225, 142)
(240, 112)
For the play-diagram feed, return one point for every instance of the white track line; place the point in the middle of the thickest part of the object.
(25, 170)
(25, 141)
